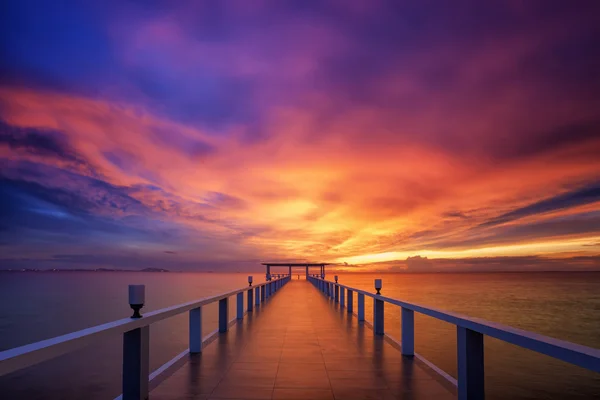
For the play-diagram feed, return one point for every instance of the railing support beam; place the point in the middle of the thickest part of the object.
(250, 300)
(470, 364)
(378, 316)
(349, 301)
(224, 314)
(136, 363)
(240, 305)
(257, 296)
(337, 293)
(342, 297)
(361, 307)
(195, 330)
(408, 332)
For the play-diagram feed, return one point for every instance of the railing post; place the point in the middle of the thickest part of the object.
(224, 314)
(349, 301)
(470, 364)
(408, 332)
(378, 316)
(240, 305)
(250, 300)
(342, 297)
(257, 296)
(263, 289)
(337, 293)
(361, 307)
(195, 330)
(136, 363)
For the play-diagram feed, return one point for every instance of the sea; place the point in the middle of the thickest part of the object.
(40, 305)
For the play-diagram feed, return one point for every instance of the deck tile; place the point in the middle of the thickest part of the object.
(309, 349)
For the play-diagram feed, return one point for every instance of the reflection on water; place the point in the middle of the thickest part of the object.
(35, 306)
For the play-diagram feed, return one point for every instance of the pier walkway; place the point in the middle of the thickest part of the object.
(301, 345)
(298, 339)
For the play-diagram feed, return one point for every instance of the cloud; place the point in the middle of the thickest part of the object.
(418, 264)
(580, 196)
(321, 132)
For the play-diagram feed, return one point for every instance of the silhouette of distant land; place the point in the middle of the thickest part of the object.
(85, 270)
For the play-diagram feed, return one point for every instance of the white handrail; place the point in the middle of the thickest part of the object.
(21, 357)
(582, 356)
(470, 333)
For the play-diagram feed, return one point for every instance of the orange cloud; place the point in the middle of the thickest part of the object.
(299, 194)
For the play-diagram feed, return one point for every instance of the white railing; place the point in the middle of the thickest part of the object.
(470, 332)
(135, 331)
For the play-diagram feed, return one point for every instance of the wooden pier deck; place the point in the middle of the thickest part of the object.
(300, 345)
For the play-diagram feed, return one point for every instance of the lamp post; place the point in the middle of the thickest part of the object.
(378, 285)
(136, 299)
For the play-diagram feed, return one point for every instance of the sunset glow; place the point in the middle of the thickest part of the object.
(343, 133)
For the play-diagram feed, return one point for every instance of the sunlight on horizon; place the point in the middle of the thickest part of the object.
(583, 246)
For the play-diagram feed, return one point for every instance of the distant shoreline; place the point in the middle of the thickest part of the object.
(85, 270)
(329, 275)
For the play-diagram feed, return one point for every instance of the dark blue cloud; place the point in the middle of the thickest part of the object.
(42, 142)
(573, 198)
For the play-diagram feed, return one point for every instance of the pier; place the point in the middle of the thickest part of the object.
(299, 339)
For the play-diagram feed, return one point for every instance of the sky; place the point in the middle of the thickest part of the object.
(378, 135)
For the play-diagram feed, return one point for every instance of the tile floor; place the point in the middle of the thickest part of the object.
(300, 345)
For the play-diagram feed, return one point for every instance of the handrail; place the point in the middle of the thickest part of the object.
(21, 357)
(582, 356)
(470, 333)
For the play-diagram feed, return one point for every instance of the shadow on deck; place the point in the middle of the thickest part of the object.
(299, 345)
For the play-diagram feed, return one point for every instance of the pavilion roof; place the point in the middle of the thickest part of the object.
(295, 264)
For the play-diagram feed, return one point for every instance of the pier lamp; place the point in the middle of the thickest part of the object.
(249, 280)
(136, 299)
(378, 285)
(336, 278)
(322, 276)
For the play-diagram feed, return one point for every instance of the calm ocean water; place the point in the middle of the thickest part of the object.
(36, 306)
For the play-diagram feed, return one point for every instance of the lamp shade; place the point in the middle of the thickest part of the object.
(378, 284)
(137, 294)
(249, 278)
